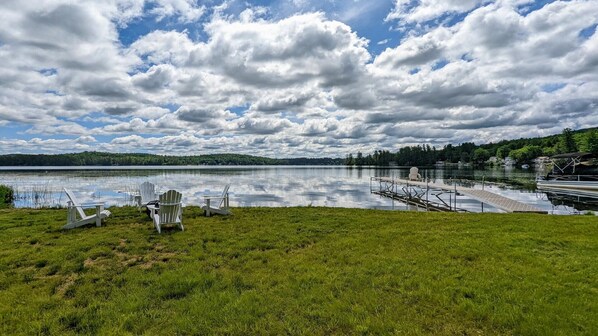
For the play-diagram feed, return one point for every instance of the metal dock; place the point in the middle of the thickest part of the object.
(409, 192)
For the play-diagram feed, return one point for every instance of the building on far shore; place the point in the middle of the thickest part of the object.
(540, 160)
(493, 161)
(509, 162)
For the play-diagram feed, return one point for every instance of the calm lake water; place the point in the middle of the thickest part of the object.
(272, 186)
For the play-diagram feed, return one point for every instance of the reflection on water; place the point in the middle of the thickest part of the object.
(335, 186)
(578, 202)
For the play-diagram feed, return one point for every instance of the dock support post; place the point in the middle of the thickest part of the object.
(455, 207)
(427, 191)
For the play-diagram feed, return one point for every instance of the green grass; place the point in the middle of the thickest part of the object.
(310, 271)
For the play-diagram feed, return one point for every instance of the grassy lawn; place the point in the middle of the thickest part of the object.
(311, 271)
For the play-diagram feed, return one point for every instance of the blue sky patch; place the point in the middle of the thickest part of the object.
(551, 87)
(532, 6)
(48, 71)
(171, 106)
(54, 92)
(440, 64)
(239, 110)
(150, 23)
(586, 33)
(15, 131)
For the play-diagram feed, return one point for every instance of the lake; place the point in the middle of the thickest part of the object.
(271, 186)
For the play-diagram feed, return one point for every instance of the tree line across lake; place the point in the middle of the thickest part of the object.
(137, 159)
(521, 150)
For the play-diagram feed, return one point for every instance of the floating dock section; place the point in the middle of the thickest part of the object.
(413, 193)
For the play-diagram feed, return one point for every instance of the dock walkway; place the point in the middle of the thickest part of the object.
(495, 200)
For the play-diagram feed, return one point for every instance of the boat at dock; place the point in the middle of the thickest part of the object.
(572, 171)
(574, 185)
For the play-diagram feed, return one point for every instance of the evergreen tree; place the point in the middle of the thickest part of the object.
(567, 142)
(349, 161)
(359, 161)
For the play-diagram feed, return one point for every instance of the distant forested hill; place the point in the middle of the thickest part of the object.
(126, 159)
(522, 150)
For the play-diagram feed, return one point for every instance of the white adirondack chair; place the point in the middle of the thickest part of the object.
(147, 193)
(74, 209)
(220, 206)
(168, 211)
(414, 174)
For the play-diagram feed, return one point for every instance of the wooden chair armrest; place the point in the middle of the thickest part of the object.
(86, 205)
(219, 196)
(213, 197)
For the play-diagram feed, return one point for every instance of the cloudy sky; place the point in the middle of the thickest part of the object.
(291, 78)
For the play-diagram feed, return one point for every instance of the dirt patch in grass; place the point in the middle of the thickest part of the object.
(100, 263)
(88, 263)
(66, 284)
(130, 260)
(126, 259)
(158, 256)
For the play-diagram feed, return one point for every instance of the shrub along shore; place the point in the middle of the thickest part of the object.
(7, 196)
(315, 271)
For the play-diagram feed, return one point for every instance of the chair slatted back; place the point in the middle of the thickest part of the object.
(224, 192)
(414, 173)
(69, 194)
(147, 190)
(170, 207)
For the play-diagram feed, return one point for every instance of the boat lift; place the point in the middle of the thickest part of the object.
(417, 195)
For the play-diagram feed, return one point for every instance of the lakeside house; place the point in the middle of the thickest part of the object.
(509, 161)
(493, 160)
(542, 160)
